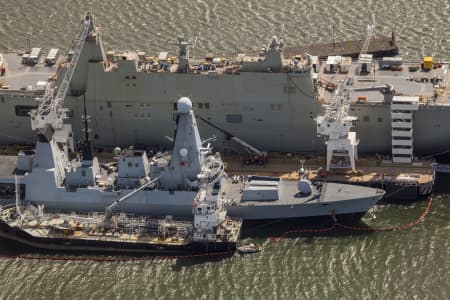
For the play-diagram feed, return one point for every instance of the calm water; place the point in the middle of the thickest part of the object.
(410, 264)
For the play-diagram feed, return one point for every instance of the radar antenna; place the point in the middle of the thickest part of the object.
(183, 53)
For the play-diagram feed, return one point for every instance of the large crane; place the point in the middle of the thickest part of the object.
(255, 156)
(335, 125)
(50, 112)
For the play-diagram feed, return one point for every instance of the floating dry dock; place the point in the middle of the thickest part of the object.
(400, 181)
(379, 47)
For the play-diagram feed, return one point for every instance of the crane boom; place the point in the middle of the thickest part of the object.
(111, 207)
(50, 110)
(234, 138)
(369, 33)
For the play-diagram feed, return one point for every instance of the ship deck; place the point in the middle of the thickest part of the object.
(199, 66)
(288, 193)
(20, 77)
(405, 82)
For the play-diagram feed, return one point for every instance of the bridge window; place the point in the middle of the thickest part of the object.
(276, 107)
(24, 110)
(234, 118)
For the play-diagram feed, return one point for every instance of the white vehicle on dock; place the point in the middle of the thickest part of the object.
(52, 56)
(34, 56)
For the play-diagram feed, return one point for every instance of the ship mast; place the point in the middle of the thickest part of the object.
(183, 54)
(18, 203)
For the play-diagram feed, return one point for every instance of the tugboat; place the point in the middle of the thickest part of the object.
(249, 249)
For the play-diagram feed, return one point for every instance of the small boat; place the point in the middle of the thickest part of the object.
(249, 249)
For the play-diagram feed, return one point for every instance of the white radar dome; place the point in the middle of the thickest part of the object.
(184, 105)
(304, 187)
(183, 152)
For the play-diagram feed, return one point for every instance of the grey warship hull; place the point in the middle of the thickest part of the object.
(181, 204)
(265, 198)
(352, 210)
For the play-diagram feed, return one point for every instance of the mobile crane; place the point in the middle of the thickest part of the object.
(254, 155)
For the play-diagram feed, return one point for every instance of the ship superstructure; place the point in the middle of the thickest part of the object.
(269, 100)
(168, 184)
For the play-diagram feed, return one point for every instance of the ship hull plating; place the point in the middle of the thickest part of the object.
(137, 120)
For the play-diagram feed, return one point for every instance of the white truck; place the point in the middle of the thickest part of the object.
(34, 56)
(52, 56)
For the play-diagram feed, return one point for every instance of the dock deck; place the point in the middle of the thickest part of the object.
(20, 77)
(369, 170)
(432, 86)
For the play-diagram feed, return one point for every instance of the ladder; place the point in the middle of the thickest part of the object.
(369, 33)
